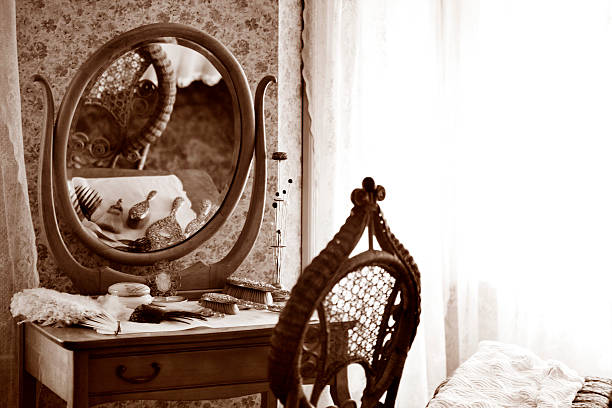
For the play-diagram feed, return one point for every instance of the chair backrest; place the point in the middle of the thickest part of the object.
(121, 114)
(368, 309)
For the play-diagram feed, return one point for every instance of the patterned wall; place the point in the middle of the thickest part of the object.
(55, 37)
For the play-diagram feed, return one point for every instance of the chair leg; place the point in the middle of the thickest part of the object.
(339, 388)
(268, 400)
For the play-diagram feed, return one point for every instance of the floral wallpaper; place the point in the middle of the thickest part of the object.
(55, 37)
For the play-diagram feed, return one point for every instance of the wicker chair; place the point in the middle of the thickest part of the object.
(120, 114)
(368, 309)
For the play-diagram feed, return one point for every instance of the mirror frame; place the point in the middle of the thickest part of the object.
(244, 124)
(199, 276)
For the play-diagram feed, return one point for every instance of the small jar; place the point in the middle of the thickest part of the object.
(131, 294)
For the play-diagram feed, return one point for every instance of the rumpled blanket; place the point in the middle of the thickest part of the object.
(502, 375)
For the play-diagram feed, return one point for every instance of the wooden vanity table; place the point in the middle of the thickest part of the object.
(114, 120)
(85, 368)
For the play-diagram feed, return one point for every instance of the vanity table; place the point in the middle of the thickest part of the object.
(120, 138)
(85, 368)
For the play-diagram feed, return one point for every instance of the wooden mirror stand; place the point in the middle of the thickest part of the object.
(53, 193)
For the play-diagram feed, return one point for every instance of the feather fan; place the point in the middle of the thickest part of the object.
(49, 307)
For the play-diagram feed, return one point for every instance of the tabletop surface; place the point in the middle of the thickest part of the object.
(247, 324)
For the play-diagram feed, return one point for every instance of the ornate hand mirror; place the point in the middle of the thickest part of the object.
(150, 154)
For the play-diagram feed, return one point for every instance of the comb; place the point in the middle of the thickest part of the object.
(88, 200)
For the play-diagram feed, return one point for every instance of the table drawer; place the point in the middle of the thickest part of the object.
(157, 371)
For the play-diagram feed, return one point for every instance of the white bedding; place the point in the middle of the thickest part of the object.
(502, 375)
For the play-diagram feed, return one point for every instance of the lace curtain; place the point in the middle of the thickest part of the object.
(17, 241)
(488, 123)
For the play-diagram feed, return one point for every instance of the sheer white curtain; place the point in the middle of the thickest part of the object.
(487, 122)
(17, 242)
(371, 82)
(533, 178)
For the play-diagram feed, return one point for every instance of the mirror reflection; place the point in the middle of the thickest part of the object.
(152, 149)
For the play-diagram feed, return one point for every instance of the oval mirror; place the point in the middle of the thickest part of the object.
(157, 125)
(153, 142)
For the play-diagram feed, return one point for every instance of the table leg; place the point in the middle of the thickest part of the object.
(28, 390)
(268, 400)
(28, 386)
(80, 391)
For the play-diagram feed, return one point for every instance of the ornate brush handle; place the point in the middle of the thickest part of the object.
(176, 204)
(121, 369)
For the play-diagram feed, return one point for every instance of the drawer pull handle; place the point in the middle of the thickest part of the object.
(137, 380)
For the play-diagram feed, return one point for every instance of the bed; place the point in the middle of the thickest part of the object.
(507, 375)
